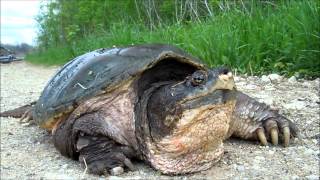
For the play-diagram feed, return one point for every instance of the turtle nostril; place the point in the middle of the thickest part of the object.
(223, 70)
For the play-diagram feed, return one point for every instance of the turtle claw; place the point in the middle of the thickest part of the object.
(274, 136)
(286, 136)
(262, 136)
(26, 117)
(271, 127)
(30, 123)
(129, 164)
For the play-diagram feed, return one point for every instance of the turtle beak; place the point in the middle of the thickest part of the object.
(224, 78)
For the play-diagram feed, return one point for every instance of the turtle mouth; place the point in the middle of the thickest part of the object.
(216, 97)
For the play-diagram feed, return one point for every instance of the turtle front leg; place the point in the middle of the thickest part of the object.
(101, 155)
(85, 139)
(254, 120)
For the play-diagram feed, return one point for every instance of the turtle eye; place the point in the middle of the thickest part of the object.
(198, 77)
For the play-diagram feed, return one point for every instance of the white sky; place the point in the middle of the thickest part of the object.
(18, 24)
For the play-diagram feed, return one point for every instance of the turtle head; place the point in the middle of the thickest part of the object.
(202, 83)
(202, 89)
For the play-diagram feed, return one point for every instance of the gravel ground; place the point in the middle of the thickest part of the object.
(27, 152)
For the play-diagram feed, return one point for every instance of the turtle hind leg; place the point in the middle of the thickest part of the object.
(19, 112)
(254, 120)
(85, 139)
(23, 112)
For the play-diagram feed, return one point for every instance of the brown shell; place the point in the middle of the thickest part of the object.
(98, 72)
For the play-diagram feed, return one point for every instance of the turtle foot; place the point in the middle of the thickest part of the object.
(84, 139)
(258, 121)
(27, 119)
(274, 129)
(100, 155)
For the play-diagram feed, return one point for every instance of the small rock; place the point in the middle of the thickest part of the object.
(295, 104)
(237, 78)
(5, 167)
(258, 168)
(265, 79)
(240, 168)
(251, 86)
(275, 77)
(56, 176)
(31, 174)
(271, 152)
(312, 177)
(25, 124)
(292, 79)
(293, 177)
(114, 178)
(241, 83)
(116, 171)
(30, 140)
(65, 166)
(309, 152)
(306, 84)
(269, 87)
(314, 141)
(259, 158)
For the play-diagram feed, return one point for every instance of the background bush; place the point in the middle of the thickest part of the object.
(253, 37)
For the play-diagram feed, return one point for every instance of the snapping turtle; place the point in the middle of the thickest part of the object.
(154, 103)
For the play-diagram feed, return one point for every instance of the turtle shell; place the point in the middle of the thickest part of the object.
(98, 72)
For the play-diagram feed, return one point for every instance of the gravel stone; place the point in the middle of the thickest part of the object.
(65, 166)
(295, 104)
(265, 79)
(309, 152)
(116, 171)
(270, 152)
(22, 157)
(294, 177)
(292, 79)
(240, 168)
(313, 177)
(275, 77)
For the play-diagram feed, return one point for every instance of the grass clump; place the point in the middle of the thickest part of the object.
(282, 38)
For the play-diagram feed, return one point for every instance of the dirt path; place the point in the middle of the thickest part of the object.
(28, 152)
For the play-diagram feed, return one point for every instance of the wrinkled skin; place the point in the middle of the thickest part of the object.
(174, 115)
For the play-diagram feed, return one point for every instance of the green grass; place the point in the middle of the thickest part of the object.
(283, 39)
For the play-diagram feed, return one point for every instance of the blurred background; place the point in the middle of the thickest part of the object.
(252, 37)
